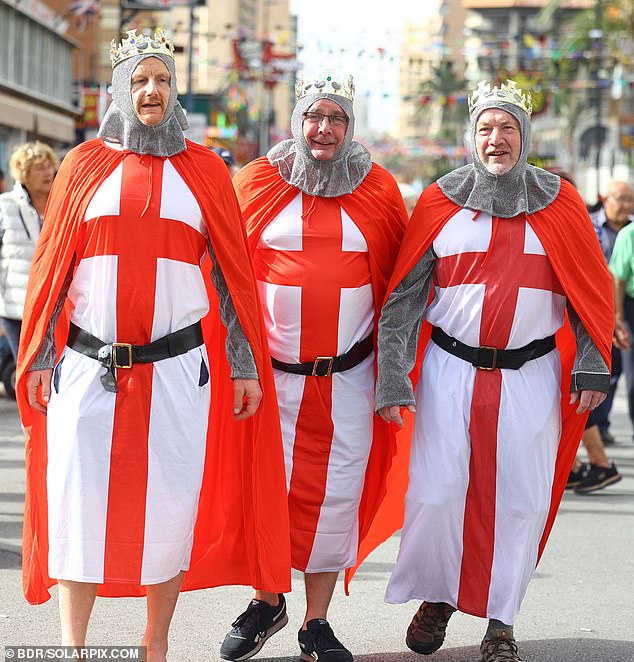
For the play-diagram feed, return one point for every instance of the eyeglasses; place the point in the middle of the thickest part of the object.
(318, 118)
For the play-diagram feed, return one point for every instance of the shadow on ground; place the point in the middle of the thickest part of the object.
(552, 650)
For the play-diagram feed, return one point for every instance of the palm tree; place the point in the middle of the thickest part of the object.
(447, 94)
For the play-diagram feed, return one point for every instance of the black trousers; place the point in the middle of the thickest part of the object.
(628, 357)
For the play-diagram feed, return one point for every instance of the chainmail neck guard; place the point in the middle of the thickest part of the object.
(121, 124)
(327, 179)
(524, 189)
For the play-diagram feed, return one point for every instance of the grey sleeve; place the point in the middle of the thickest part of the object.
(45, 357)
(237, 346)
(590, 371)
(399, 328)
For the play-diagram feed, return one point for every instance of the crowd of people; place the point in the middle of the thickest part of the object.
(214, 374)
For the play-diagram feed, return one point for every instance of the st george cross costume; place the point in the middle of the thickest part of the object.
(143, 473)
(324, 236)
(492, 445)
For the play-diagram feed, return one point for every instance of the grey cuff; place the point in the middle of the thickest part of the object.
(392, 399)
(590, 381)
(590, 372)
(244, 375)
(237, 346)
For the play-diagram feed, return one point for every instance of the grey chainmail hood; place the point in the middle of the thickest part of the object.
(328, 179)
(121, 124)
(523, 189)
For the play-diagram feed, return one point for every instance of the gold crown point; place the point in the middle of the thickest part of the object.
(342, 86)
(509, 92)
(141, 44)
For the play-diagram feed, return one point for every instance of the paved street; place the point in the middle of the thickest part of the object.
(579, 607)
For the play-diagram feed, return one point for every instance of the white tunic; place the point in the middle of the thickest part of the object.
(124, 470)
(485, 443)
(301, 265)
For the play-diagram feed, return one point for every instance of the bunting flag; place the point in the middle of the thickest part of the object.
(84, 10)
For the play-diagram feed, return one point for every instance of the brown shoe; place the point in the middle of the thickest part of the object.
(426, 632)
(501, 648)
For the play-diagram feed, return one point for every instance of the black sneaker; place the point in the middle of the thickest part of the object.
(598, 478)
(575, 477)
(252, 628)
(318, 642)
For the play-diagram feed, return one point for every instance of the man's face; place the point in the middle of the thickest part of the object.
(40, 178)
(498, 140)
(150, 87)
(619, 203)
(324, 134)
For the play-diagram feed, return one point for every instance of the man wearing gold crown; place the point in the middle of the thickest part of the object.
(324, 224)
(142, 421)
(506, 259)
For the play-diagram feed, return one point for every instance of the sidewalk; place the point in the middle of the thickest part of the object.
(579, 606)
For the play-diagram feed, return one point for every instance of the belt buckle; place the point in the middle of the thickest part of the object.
(493, 362)
(316, 363)
(121, 345)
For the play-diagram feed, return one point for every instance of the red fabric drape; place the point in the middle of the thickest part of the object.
(570, 241)
(241, 534)
(376, 206)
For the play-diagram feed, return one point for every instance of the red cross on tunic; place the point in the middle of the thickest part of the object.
(138, 237)
(322, 269)
(505, 270)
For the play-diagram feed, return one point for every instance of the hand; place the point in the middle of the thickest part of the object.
(34, 380)
(621, 337)
(588, 400)
(393, 414)
(247, 396)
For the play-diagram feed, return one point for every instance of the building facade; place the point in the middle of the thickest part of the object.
(37, 98)
(432, 64)
(575, 60)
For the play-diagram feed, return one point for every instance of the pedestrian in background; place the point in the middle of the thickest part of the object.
(600, 472)
(33, 166)
(614, 214)
(622, 268)
(227, 157)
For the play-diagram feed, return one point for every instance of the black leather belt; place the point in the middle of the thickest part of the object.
(490, 358)
(124, 355)
(324, 366)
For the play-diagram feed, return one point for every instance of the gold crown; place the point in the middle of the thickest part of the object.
(328, 84)
(140, 44)
(509, 92)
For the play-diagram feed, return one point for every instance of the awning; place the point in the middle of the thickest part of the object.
(28, 116)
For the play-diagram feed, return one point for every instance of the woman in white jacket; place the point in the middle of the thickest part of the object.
(33, 166)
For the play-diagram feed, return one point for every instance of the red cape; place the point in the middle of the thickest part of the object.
(241, 534)
(584, 276)
(377, 207)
